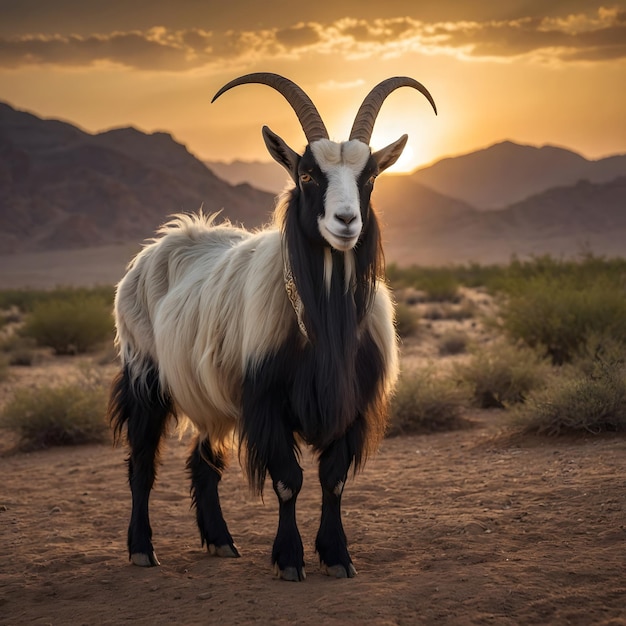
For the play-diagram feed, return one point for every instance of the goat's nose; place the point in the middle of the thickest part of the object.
(345, 218)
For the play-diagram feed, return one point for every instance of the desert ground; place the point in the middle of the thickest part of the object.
(467, 527)
(474, 526)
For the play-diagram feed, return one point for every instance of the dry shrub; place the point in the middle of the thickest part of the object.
(4, 367)
(588, 396)
(503, 374)
(426, 403)
(72, 325)
(68, 414)
(406, 320)
(453, 342)
(464, 310)
(559, 316)
(21, 350)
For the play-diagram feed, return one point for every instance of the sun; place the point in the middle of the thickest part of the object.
(413, 156)
(406, 163)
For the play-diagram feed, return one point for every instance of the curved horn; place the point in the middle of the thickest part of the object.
(310, 119)
(366, 115)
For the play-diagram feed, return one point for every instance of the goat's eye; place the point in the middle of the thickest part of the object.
(305, 178)
(371, 179)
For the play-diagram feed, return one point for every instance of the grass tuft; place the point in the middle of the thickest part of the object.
(426, 403)
(502, 375)
(589, 399)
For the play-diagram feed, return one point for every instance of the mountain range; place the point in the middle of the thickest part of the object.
(61, 187)
(64, 188)
(487, 179)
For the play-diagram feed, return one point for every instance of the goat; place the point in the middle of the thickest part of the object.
(281, 337)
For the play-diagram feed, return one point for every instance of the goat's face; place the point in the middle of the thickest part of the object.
(335, 182)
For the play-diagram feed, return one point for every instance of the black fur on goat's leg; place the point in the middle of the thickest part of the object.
(334, 464)
(269, 444)
(140, 406)
(287, 552)
(205, 468)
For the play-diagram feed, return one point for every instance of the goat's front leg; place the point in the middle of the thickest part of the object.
(331, 543)
(286, 474)
(270, 447)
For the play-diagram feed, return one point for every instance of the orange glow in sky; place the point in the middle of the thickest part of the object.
(532, 72)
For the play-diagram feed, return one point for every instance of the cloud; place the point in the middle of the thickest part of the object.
(596, 37)
(378, 30)
(298, 36)
(149, 50)
(574, 37)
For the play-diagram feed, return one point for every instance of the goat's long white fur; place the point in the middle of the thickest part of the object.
(207, 302)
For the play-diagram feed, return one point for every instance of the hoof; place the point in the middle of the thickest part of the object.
(144, 560)
(227, 551)
(339, 571)
(289, 573)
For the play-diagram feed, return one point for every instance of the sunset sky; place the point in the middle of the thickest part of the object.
(535, 71)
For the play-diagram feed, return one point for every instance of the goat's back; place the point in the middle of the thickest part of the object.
(203, 303)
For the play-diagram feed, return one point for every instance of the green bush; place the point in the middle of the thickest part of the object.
(68, 414)
(407, 320)
(559, 316)
(502, 375)
(72, 325)
(586, 399)
(425, 403)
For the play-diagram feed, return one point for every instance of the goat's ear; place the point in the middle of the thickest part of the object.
(281, 152)
(387, 156)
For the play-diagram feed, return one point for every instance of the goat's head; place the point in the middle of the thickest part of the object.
(335, 180)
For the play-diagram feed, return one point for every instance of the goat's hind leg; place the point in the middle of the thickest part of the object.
(205, 468)
(140, 405)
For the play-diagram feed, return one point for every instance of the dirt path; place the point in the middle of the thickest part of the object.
(456, 528)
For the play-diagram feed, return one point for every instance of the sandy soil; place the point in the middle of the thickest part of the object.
(457, 528)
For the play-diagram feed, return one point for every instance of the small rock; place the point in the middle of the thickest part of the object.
(204, 596)
(55, 509)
